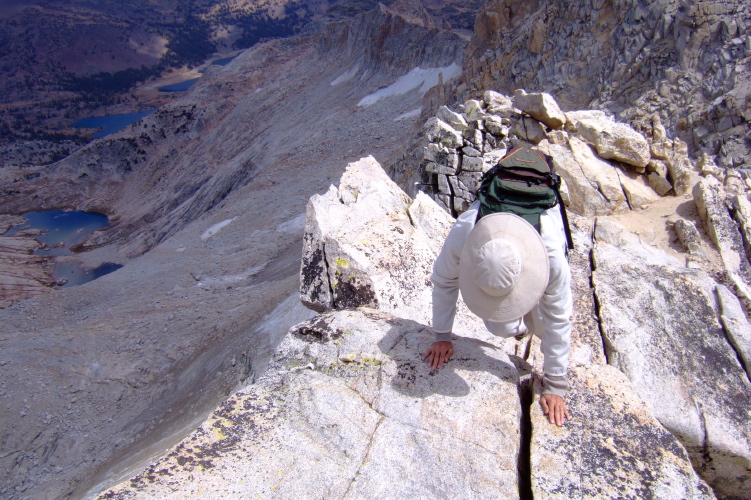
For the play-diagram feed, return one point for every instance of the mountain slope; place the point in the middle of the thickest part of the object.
(212, 188)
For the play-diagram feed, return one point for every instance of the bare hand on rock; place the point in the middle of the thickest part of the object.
(439, 353)
(555, 408)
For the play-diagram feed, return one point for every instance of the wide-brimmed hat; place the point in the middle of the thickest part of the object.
(504, 268)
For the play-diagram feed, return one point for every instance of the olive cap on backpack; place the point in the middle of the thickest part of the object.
(503, 268)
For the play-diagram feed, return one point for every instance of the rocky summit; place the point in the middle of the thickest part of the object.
(277, 227)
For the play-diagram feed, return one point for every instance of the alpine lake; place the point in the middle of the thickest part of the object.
(59, 232)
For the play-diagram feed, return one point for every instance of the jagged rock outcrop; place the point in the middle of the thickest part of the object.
(683, 62)
(711, 200)
(348, 410)
(462, 146)
(347, 405)
(662, 326)
(361, 248)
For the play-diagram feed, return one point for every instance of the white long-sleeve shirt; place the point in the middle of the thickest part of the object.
(551, 315)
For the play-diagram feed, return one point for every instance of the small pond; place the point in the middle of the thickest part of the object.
(59, 232)
(110, 123)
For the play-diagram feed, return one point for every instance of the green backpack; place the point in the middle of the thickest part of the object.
(522, 183)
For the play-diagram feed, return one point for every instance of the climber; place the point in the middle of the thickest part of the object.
(516, 280)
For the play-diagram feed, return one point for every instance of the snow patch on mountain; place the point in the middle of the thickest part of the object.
(417, 77)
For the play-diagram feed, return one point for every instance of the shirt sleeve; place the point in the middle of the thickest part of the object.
(556, 307)
(445, 277)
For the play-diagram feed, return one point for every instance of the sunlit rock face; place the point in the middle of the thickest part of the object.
(348, 396)
(222, 198)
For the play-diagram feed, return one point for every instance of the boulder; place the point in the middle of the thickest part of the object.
(442, 159)
(614, 140)
(613, 448)
(599, 172)
(741, 211)
(540, 106)
(637, 189)
(428, 218)
(361, 248)
(474, 110)
(529, 130)
(681, 173)
(455, 120)
(573, 118)
(348, 410)
(736, 325)
(659, 183)
(441, 132)
(711, 202)
(662, 329)
(497, 104)
(584, 196)
(689, 237)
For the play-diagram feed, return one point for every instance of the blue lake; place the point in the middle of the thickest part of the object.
(61, 231)
(110, 123)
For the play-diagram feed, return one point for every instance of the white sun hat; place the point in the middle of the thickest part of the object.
(504, 268)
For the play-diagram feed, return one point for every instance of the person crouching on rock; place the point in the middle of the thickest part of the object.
(516, 280)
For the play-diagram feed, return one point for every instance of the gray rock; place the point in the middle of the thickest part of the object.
(436, 168)
(689, 237)
(500, 106)
(661, 150)
(447, 158)
(495, 126)
(348, 409)
(680, 170)
(473, 164)
(662, 329)
(601, 453)
(637, 189)
(573, 118)
(599, 172)
(433, 222)
(474, 110)
(741, 211)
(440, 132)
(710, 199)
(736, 326)
(473, 135)
(443, 184)
(455, 120)
(361, 243)
(529, 130)
(470, 151)
(659, 183)
(470, 181)
(540, 106)
(585, 198)
(614, 140)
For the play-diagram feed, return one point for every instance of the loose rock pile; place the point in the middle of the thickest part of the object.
(606, 166)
